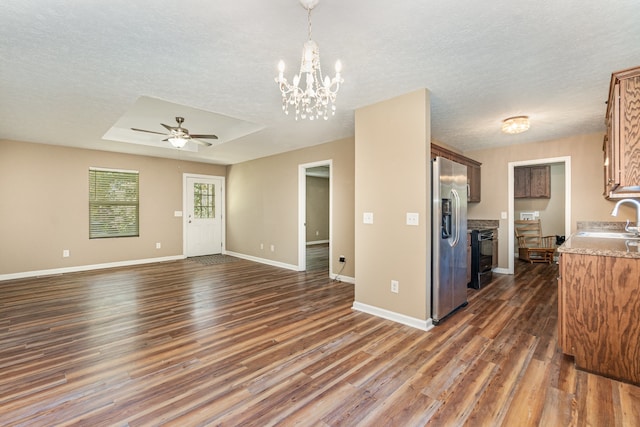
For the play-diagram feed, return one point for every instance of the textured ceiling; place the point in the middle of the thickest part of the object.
(71, 70)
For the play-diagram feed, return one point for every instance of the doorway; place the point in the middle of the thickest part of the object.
(511, 211)
(315, 191)
(203, 215)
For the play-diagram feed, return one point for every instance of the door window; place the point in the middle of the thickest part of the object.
(204, 200)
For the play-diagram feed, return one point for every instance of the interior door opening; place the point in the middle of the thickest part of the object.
(314, 209)
(511, 214)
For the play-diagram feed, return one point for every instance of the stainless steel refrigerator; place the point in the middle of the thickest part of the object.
(449, 238)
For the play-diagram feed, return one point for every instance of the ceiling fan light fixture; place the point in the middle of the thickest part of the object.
(514, 125)
(178, 141)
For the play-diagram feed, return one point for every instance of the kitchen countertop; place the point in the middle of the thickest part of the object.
(621, 248)
(482, 224)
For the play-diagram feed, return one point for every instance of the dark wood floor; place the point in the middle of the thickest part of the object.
(240, 343)
(317, 257)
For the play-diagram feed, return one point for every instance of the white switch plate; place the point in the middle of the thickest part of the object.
(367, 218)
(65, 253)
(503, 215)
(412, 218)
(177, 213)
(158, 245)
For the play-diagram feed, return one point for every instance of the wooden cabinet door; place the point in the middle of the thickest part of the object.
(473, 179)
(494, 259)
(630, 132)
(540, 182)
(532, 182)
(622, 141)
(562, 340)
(521, 182)
(468, 257)
(600, 312)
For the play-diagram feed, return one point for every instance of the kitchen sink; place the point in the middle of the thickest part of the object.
(608, 235)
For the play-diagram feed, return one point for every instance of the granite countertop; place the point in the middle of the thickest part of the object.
(482, 224)
(621, 248)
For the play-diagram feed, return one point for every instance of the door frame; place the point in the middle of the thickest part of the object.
(302, 212)
(567, 200)
(223, 226)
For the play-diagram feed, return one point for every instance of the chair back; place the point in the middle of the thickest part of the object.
(528, 233)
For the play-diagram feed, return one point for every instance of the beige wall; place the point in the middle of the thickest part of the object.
(587, 201)
(392, 146)
(262, 204)
(44, 194)
(317, 209)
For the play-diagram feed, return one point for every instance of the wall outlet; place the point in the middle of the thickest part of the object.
(158, 245)
(317, 233)
(261, 246)
(273, 248)
(342, 258)
(65, 253)
(395, 286)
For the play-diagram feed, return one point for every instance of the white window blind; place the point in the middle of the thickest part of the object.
(113, 203)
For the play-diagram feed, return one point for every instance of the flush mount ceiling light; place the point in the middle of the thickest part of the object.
(517, 124)
(318, 97)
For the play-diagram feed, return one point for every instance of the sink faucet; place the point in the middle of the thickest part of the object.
(614, 212)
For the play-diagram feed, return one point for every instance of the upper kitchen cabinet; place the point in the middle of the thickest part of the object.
(532, 182)
(622, 141)
(473, 170)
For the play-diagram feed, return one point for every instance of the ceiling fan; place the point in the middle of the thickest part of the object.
(179, 136)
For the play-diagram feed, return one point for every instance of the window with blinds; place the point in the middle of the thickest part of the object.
(113, 203)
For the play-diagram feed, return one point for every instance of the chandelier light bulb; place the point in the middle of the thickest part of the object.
(318, 96)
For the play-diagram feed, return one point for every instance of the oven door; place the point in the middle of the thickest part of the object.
(486, 247)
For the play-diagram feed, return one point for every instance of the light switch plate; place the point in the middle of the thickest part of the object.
(412, 218)
(367, 217)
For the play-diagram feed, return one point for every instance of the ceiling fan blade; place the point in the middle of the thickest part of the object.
(205, 136)
(169, 128)
(148, 131)
(205, 143)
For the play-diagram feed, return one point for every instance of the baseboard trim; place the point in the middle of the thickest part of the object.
(500, 270)
(263, 261)
(56, 271)
(341, 278)
(424, 325)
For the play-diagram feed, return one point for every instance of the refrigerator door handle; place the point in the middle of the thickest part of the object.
(456, 202)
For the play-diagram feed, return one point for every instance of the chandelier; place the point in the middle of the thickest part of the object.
(318, 95)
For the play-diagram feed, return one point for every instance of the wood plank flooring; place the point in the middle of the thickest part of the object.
(185, 344)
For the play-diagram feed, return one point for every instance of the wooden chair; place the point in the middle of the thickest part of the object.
(532, 245)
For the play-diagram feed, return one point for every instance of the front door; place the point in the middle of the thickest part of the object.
(203, 216)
